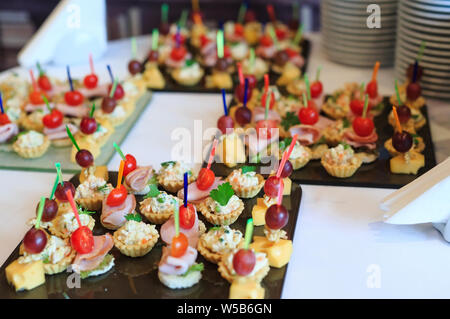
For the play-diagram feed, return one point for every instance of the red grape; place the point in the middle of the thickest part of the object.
(316, 89)
(88, 125)
(244, 261)
(82, 240)
(224, 123)
(251, 81)
(281, 58)
(287, 169)
(205, 178)
(35, 241)
(84, 158)
(272, 186)
(221, 64)
(249, 16)
(363, 126)
(402, 142)
(60, 192)
(73, 98)
(108, 104)
(243, 115)
(50, 210)
(90, 81)
(239, 92)
(153, 55)
(413, 91)
(130, 164)
(44, 83)
(276, 216)
(404, 113)
(119, 93)
(308, 115)
(117, 196)
(187, 216)
(53, 120)
(164, 28)
(134, 67)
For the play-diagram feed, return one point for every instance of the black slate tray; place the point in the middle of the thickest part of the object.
(376, 174)
(172, 86)
(137, 277)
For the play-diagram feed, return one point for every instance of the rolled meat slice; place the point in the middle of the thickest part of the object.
(259, 114)
(60, 132)
(99, 91)
(168, 231)
(75, 111)
(306, 134)
(351, 138)
(114, 217)
(176, 265)
(90, 261)
(196, 195)
(8, 131)
(137, 180)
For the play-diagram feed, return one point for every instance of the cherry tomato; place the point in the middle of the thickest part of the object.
(281, 33)
(363, 126)
(90, 81)
(244, 261)
(266, 41)
(117, 196)
(53, 120)
(204, 40)
(357, 107)
(178, 54)
(36, 97)
(187, 216)
(130, 164)
(179, 245)
(264, 128)
(73, 98)
(238, 29)
(44, 83)
(4, 119)
(82, 240)
(226, 51)
(316, 89)
(119, 93)
(291, 52)
(205, 178)
(308, 115)
(372, 89)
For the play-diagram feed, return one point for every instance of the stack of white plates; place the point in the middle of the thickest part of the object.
(346, 37)
(429, 21)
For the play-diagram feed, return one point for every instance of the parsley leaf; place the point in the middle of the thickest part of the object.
(289, 120)
(345, 122)
(153, 192)
(346, 146)
(214, 228)
(103, 188)
(285, 143)
(194, 267)
(246, 169)
(165, 164)
(136, 217)
(222, 193)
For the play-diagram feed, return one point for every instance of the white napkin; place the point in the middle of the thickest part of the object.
(425, 200)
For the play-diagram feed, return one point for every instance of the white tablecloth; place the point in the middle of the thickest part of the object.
(341, 249)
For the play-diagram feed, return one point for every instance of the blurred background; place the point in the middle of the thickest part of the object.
(19, 19)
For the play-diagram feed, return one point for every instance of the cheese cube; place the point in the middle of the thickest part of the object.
(246, 290)
(231, 150)
(399, 165)
(25, 276)
(279, 253)
(260, 202)
(287, 186)
(259, 215)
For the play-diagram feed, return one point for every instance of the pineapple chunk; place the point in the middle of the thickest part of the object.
(25, 276)
(279, 253)
(246, 290)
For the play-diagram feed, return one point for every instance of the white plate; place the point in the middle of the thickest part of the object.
(329, 35)
(433, 30)
(424, 14)
(401, 65)
(422, 36)
(361, 44)
(360, 57)
(426, 58)
(436, 94)
(433, 23)
(428, 51)
(434, 66)
(360, 51)
(430, 44)
(362, 15)
(359, 23)
(358, 8)
(426, 7)
(433, 2)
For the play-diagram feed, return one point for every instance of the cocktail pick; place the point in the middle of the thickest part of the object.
(72, 138)
(185, 186)
(55, 185)
(110, 73)
(415, 70)
(361, 90)
(240, 73)
(58, 172)
(366, 104)
(397, 121)
(266, 82)
(165, 12)
(178, 37)
(273, 35)
(397, 93)
(245, 92)
(47, 104)
(308, 87)
(119, 151)
(176, 215)
(280, 194)
(298, 34)
(375, 71)
(119, 176)
(213, 152)
(248, 233)
(241, 14)
(1, 104)
(252, 59)
(271, 13)
(286, 155)
(266, 110)
(69, 78)
(305, 99)
(33, 81)
(155, 37)
(91, 64)
(74, 207)
(224, 99)
(113, 88)
(183, 18)
(220, 44)
(318, 72)
(423, 45)
(195, 6)
(40, 211)
(91, 113)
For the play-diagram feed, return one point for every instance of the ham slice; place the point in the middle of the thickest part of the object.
(90, 261)
(208, 49)
(98, 91)
(60, 131)
(351, 138)
(307, 134)
(259, 114)
(168, 231)
(75, 111)
(196, 195)
(137, 180)
(176, 265)
(297, 60)
(323, 123)
(115, 216)
(34, 107)
(266, 52)
(171, 63)
(256, 145)
(8, 131)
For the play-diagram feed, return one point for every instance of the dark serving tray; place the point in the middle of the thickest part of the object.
(137, 277)
(172, 86)
(376, 174)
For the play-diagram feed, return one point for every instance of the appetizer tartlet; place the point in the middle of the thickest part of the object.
(158, 206)
(91, 192)
(56, 256)
(170, 177)
(218, 241)
(188, 75)
(65, 224)
(135, 238)
(222, 207)
(418, 145)
(341, 161)
(246, 182)
(258, 273)
(31, 144)
(300, 156)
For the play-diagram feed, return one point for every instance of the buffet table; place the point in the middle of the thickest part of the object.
(341, 247)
